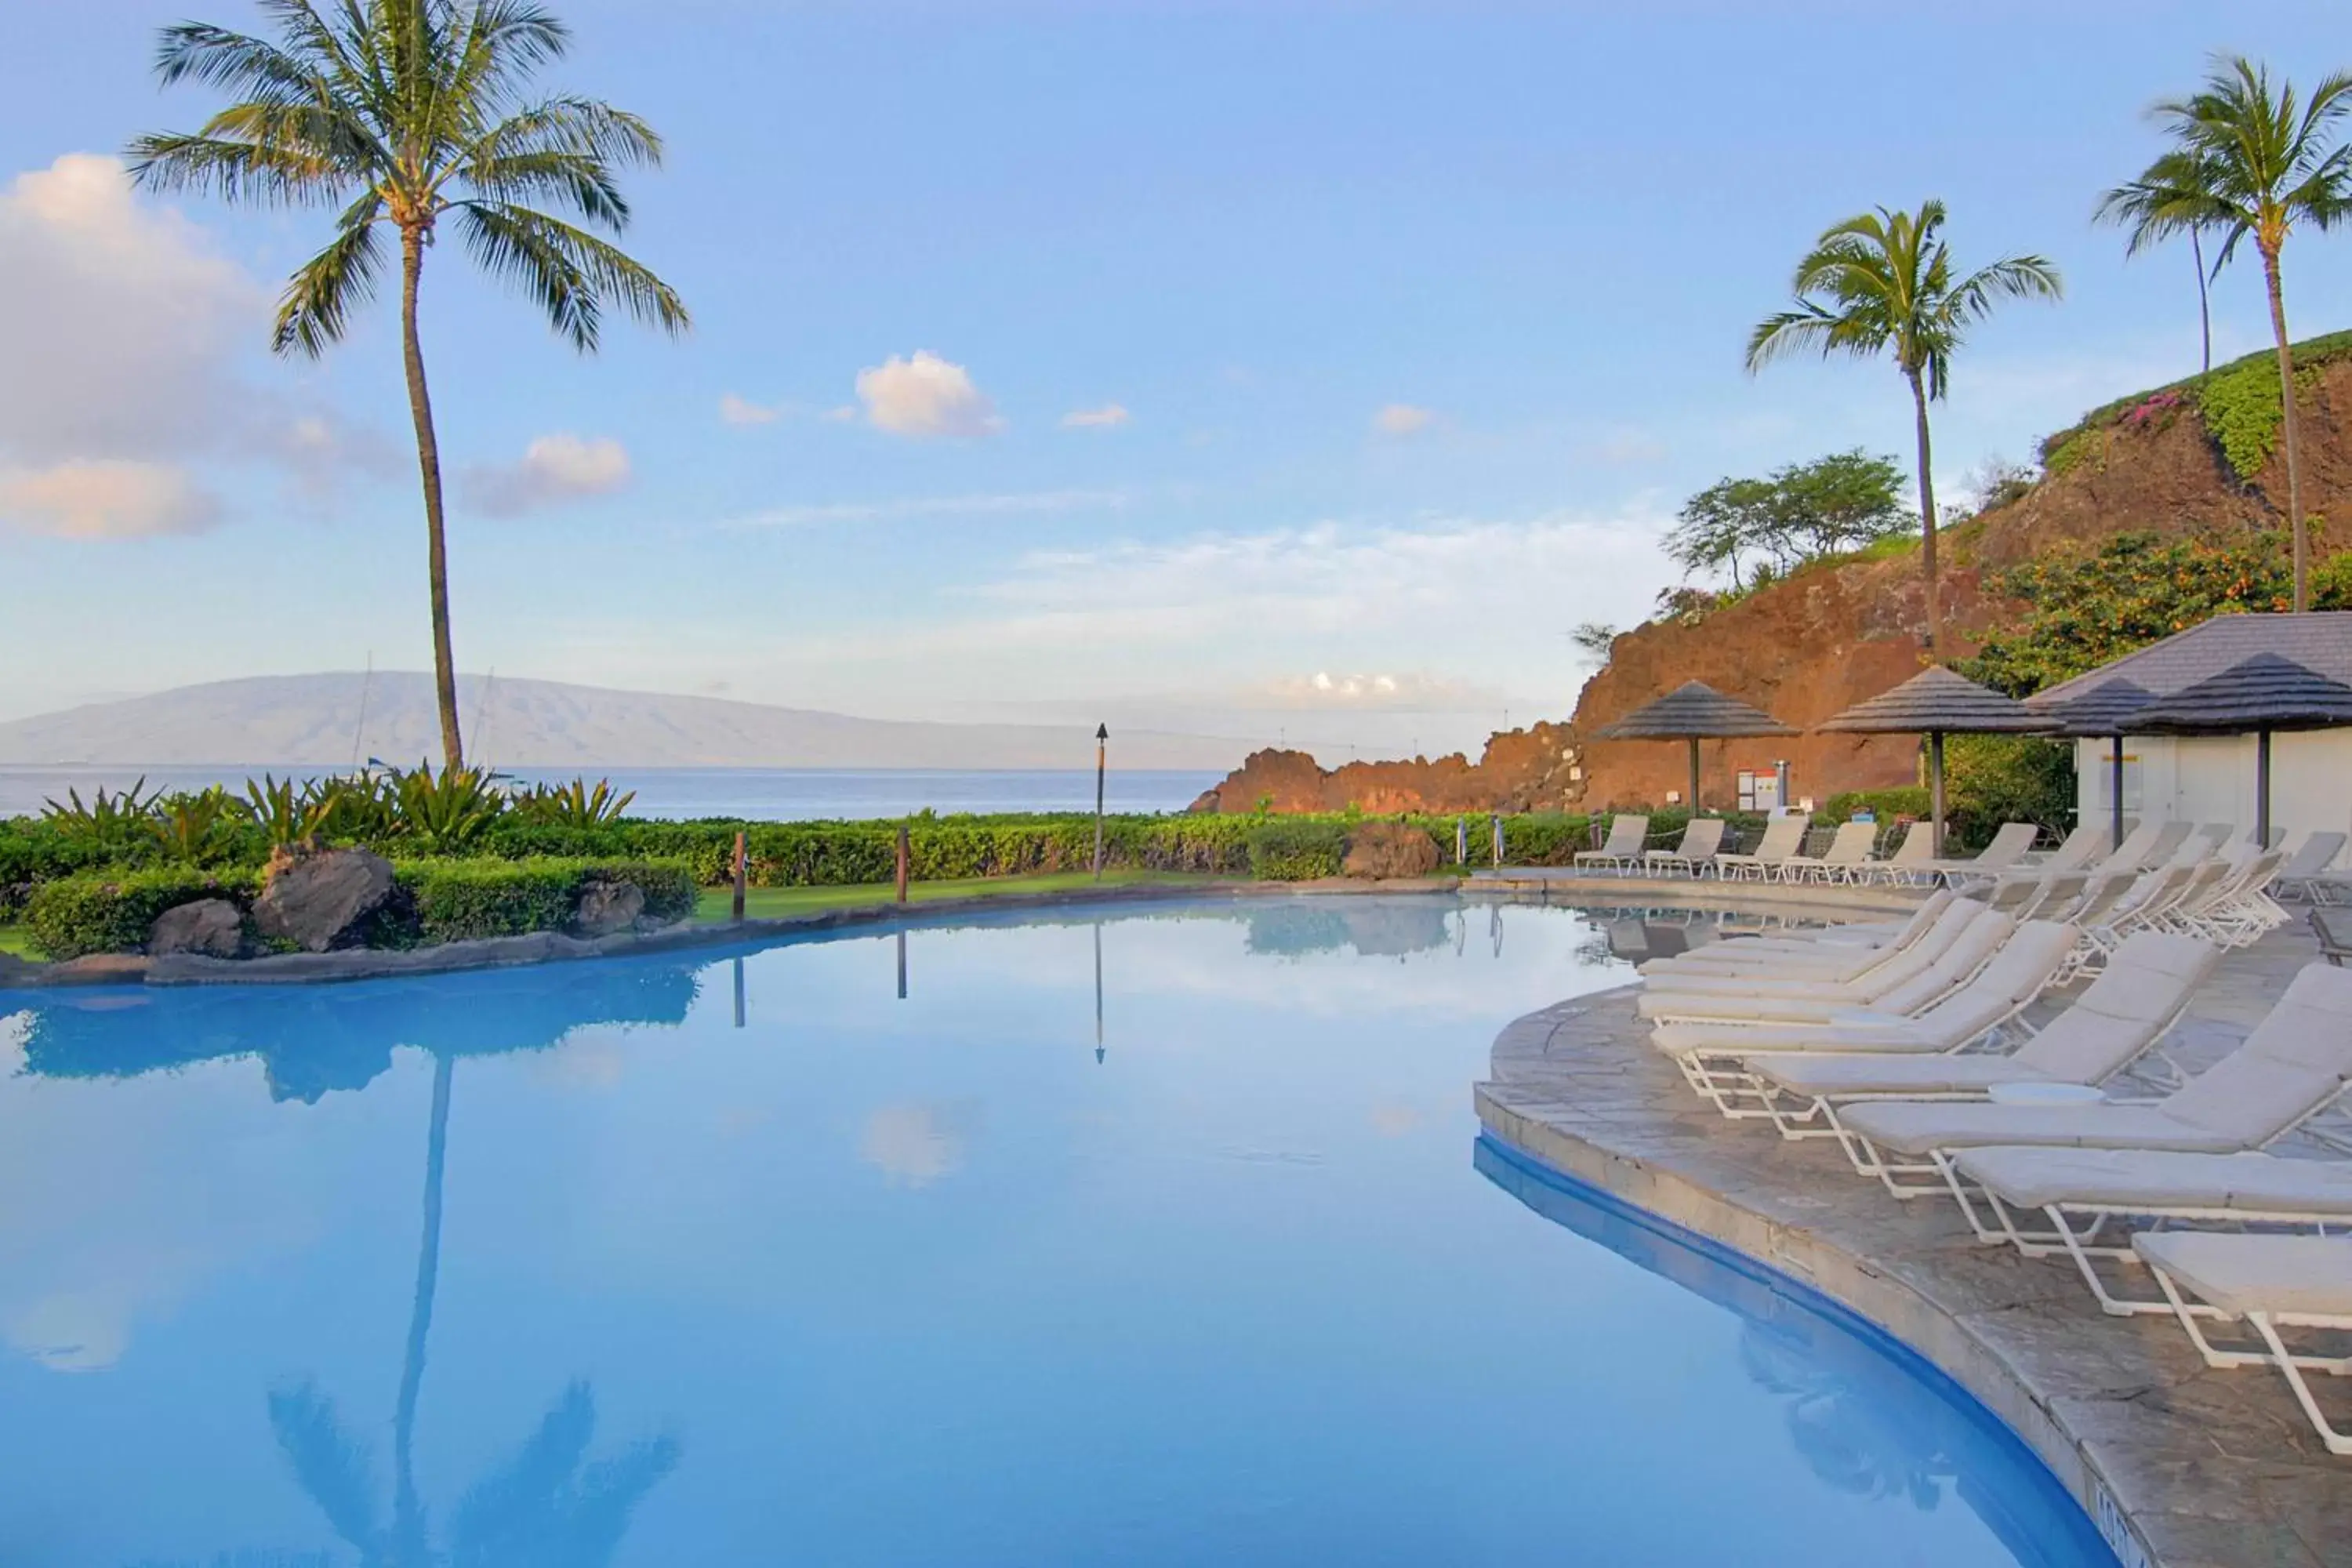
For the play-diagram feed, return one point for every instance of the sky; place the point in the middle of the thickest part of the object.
(1281, 371)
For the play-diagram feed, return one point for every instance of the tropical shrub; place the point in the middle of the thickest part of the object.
(465, 901)
(444, 813)
(113, 826)
(113, 911)
(1886, 805)
(199, 827)
(1992, 779)
(285, 814)
(2084, 608)
(1292, 851)
(572, 805)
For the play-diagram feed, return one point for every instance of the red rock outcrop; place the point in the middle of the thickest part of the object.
(1831, 636)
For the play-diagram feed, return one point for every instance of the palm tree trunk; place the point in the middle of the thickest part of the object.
(429, 463)
(2204, 305)
(1926, 514)
(2286, 410)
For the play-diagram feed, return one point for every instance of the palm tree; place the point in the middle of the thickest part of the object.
(2146, 206)
(1884, 281)
(2246, 161)
(401, 114)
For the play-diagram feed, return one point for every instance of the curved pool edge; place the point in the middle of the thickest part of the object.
(2177, 1466)
(1828, 903)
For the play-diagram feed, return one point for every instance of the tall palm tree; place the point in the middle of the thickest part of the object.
(1883, 282)
(2147, 208)
(403, 114)
(2247, 159)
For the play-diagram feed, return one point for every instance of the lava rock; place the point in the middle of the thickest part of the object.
(314, 899)
(608, 907)
(1385, 849)
(214, 927)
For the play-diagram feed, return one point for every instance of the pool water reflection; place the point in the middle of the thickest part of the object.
(1162, 1237)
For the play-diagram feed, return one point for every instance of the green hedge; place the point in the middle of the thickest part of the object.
(837, 854)
(1290, 850)
(74, 916)
(1886, 805)
(464, 901)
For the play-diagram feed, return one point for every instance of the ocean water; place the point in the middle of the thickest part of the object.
(766, 794)
(1162, 1236)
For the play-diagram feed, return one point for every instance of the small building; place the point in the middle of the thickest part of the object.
(2211, 779)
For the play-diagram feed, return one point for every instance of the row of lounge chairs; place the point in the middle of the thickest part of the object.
(1849, 855)
(1908, 1044)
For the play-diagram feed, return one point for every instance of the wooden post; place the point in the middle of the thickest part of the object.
(1498, 840)
(2262, 789)
(742, 872)
(1692, 802)
(1462, 841)
(1102, 756)
(2115, 780)
(902, 862)
(1936, 788)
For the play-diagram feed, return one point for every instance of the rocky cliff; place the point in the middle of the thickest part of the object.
(1836, 633)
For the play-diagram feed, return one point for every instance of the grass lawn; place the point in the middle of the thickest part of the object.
(15, 939)
(766, 903)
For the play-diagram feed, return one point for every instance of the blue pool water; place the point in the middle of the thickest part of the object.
(713, 1261)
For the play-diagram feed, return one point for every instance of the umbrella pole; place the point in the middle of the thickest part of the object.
(1692, 799)
(2116, 763)
(1935, 787)
(2261, 789)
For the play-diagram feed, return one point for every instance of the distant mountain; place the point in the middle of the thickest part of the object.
(324, 720)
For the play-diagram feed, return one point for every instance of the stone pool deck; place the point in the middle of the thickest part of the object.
(2182, 1466)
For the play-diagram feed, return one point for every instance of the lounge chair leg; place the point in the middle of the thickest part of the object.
(2288, 1363)
(2113, 1305)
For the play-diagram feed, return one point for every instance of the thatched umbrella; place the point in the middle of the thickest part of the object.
(1693, 711)
(2258, 695)
(1936, 703)
(2099, 714)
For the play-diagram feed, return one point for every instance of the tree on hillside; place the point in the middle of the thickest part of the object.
(2246, 160)
(1883, 282)
(406, 114)
(1753, 530)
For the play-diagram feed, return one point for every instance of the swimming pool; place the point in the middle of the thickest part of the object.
(1157, 1236)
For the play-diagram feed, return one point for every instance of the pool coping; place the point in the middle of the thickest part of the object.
(2177, 1464)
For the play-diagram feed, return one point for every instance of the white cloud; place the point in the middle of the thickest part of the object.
(110, 498)
(554, 468)
(1110, 415)
(1403, 419)
(1028, 504)
(915, 1144)
(1324, 688)
(734, 410)
(926, 396)
(121, 329)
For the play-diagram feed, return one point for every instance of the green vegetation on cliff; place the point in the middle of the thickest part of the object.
(2238, 403)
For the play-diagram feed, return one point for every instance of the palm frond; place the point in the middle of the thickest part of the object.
(233, 62)
(233, 170)
(317, 304)
(571, 272)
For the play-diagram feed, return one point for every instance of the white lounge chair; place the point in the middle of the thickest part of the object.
(1849, 850)
(1702, 837)
(2082, 849)
(1627, 834)
(1783, 836)
(2295, 1065)
(2146, 846)
(1719, 1061)
(1838, 953)
(1761, 999)
(2308, 859)
(2117, 1020)
(2080, 1192)
(2009, 844)
(2202, 843)
(1911, 864)
(2273, 1282)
